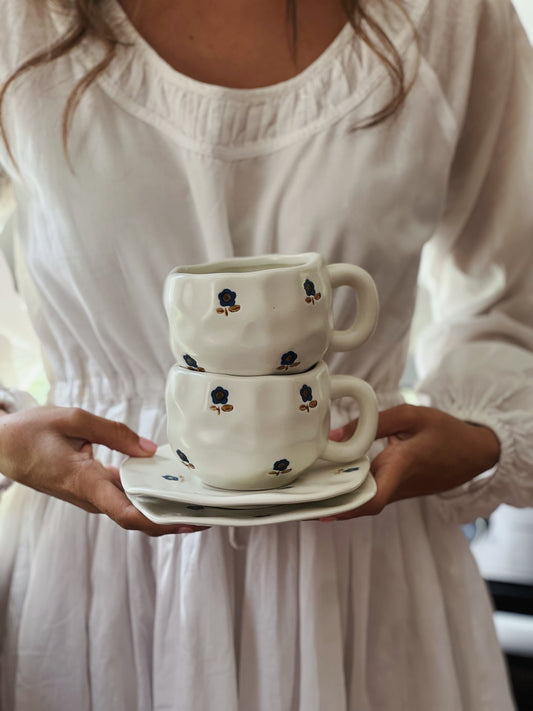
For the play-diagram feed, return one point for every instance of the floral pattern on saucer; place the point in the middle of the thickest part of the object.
(347, 471)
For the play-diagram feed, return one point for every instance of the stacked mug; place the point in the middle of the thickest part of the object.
(248, 400)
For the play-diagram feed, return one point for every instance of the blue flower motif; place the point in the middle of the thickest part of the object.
(227, 298)
(312, 294)
(281, 467)
(184, 459)
(351, 469)
(171, 478)
(307, 396)
(227, 302)
(306, 393)
(219, 396)
(192, 364)
(190, 361)
(309, 287)
(182, 456)
(288, 358)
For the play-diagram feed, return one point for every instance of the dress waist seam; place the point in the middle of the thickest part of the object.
(104, 391)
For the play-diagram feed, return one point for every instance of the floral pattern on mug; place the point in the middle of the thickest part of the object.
(307, 396)
(192, 364)
(281, 467)
(312, 294)
(288, 360)
(227, 299)
(220, 396)
(184, 459)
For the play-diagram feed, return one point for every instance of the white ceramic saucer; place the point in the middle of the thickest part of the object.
(164, 476)
(172, 512)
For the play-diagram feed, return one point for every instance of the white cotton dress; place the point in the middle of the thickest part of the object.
(386, 613)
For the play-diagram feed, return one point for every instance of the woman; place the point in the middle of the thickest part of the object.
(194, 133)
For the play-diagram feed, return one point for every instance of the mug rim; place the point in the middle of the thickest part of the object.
(275, 261)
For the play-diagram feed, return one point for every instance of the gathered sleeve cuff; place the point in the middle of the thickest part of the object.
(489, 384)
(12, 400)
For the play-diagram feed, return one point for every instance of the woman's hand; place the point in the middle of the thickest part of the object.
(50, 450)
(428, 451)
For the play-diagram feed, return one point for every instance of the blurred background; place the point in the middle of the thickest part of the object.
(502, 546)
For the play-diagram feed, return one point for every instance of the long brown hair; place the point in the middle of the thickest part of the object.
(88, 22)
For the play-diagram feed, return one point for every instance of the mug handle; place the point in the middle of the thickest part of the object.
(363, 437)
(367, 305)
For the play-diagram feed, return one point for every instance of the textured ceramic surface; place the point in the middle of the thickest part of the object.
(263, 315)
(163, 476)
(170, 512)
(261, 432)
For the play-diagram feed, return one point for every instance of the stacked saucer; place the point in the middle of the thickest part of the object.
(248, 400)
(167, 492)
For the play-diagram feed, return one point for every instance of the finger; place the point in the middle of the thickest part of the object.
(181, 528)
(395, 420)
(341, 434)
(402, 418)
(81, 424)
(113, 477)
(388, 473)
(114, 473)
(114, 503)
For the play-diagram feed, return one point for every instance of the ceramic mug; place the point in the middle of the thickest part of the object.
(261, 432)
(263, 315)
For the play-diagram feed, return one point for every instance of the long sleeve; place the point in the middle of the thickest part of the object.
(13, 335)
(476, 357)
(11, 330)
(11, 399)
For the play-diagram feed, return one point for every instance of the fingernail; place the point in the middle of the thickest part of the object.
(147, 445)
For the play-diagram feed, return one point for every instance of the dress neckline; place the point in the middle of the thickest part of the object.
(237, 123)
(136, 39)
